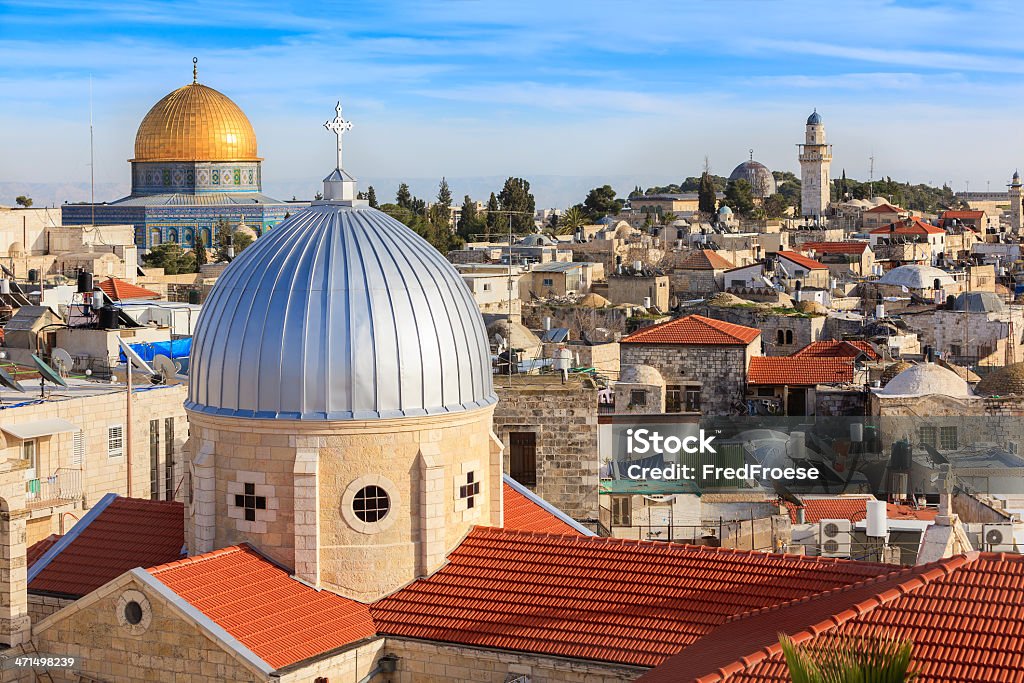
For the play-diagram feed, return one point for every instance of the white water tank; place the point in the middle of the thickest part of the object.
(877, 519)
(880, 311)
(563, 359)
(647, 302)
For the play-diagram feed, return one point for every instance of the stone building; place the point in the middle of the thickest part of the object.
(549, 432)
(640, 287)
(702, 272)
(842, 258)
(783, 330)
(77, 446)
(978, 330)
(640, 390)
(698, 357)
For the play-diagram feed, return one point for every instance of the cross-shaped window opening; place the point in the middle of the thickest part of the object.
(250, 502)
(470, 489)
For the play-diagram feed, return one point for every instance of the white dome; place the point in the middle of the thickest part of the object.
(917, 277)
(339, 313)
(641, 374)
(927, 379)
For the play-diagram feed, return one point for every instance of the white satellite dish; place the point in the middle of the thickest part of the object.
(165, 367)
(135, 359)
(62, 359)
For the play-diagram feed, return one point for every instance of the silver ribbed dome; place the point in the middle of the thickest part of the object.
(339, 313)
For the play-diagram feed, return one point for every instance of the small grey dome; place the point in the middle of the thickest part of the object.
(641, 374)
(814, 119)
(916, 276)
(761, 180)
(339, 313)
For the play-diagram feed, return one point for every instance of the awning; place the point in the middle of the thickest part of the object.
(33, 430)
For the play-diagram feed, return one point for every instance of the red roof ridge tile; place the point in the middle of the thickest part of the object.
(196, 559)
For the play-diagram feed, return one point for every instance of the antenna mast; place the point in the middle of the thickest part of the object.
(92, 160)
(871, 176)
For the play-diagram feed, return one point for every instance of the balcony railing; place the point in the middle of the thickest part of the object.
(63, 486)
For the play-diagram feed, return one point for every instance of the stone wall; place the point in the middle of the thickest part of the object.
(422, 662)
(833, 401)
(633, 289)
(579, 319)
(564, 419)
(804, 329)
(42, 606)
(721, 371)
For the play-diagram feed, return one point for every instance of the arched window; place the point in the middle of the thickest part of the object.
(789, 336)
(782, 337)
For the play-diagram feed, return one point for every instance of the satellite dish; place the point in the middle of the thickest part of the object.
(9, 382)
(135, 359)
(62, 359)
(167, 370)
(47, 373)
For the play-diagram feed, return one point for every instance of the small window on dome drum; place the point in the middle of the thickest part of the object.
(371, 504)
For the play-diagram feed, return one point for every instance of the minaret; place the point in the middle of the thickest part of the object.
(1016, 196)
(815, 163)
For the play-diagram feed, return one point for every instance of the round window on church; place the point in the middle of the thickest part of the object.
(133, 613)
(371, 504)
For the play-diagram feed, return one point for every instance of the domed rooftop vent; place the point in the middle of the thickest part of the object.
(641, 374)
(1006, 381)
(925, 380)
(917, 277)
(339, 313)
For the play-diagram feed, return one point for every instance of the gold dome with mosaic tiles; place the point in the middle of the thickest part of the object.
(195, 123)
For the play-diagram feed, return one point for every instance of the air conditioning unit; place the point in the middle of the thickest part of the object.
(998, 538)
(835, 537)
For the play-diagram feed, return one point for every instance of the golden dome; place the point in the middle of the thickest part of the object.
(195, 123)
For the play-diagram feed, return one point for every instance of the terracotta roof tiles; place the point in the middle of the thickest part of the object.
(631, 602)
(283, 621)
(799, 370)
(705, 259)
(853, 509)
(694, 330)
(837, 349)
(835, 247)
(964, 615)
(802, 260)
(523, 514)
(119, 290)
(124, 533)
(915, 227)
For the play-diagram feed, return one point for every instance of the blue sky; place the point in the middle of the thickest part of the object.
(630, 92)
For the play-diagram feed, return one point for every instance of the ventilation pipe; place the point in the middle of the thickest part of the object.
(387, 664)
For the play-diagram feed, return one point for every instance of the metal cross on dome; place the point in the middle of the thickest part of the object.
(339, 126)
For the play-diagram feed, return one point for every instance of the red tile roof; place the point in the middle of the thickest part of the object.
(119, 290)
(855, 510)
(523, 514)
(916, 227)
(964, 615)
(127, 533)
(37, 549)
(799, 371)
(886, 208)
(838, 349)
(962, 214)
(281, 620)
(694, 330)
(835, 247)
(705, 259)
(632, 602)
(802, 260)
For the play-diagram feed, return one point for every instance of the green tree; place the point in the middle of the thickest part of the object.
(572, 219)
(403, 197)
(706, 196)
(515, 197)
(22, 200)
(668, 218)
(601, 202)
(199, 252)
(775, 206)
(470, 223)
(492, 215)
(228, 236)
(851, 660)
(739, 197)
(371, 196)
(444, 195)
(171, 257)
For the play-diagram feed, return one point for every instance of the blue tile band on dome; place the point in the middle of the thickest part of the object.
(340, 313)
